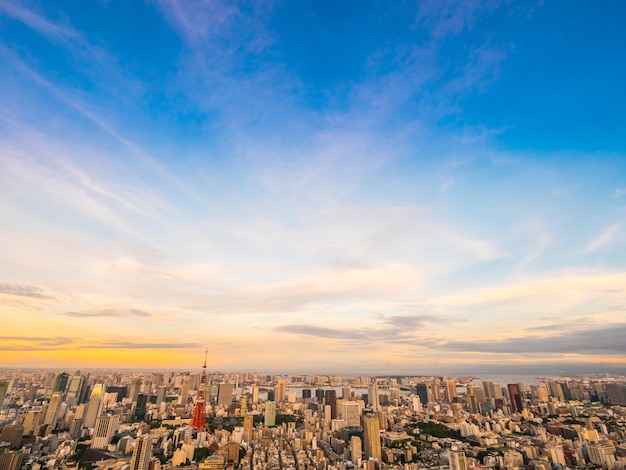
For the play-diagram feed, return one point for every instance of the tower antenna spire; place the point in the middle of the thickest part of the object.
(198, 419)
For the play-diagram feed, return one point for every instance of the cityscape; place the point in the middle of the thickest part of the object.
(152, 420)
(312, 234)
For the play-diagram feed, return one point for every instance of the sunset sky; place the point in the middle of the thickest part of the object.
(411, 187)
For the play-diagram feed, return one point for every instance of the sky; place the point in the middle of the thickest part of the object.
(312, 186)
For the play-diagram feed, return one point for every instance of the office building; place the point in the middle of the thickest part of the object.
(94, 407)
(351, 413)
(225, 394)
(450, 389)
(104, 430)
(372, 396)
(141, 454)
(270, 413)
(515, 395)
(371, 436)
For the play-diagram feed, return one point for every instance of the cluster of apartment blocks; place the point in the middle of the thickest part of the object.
(141, 420)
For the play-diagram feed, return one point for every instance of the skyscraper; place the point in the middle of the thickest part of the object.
(372, 396)
(351, 413)
(104, 430)
(371, 436)
(457, 459)
(450, 389)
(53, 409)
(434, 389)
(141, 454)
(74, 390)
(270, 413)
(225, 394)
(94, 407)
(184, 391)
(331, 399)
(356, 451)
(421, 390)
(280, 390)
(10, 460)
(60, 382)
(140, 408)
(4, 386)
(515, 394)
(248, 422)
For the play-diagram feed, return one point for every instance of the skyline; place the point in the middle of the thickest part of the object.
(438, 186)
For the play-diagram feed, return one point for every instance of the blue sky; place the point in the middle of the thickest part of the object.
(407, 186)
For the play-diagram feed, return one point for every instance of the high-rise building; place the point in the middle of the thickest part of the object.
(31, 421)
(492, 389)
(141, 407)
(422, 391)
(356, 451)
(270, 413)
(434, 389)
(53, 409)
(457, 459)
(248, 422)
(351, 413)
(331, 399)
(616, 393)
(255, 394)
(141, 454)
(372, 396)
(10, 460)
(135, 388)
(12, 433)
(4, 386)
(94, 407)
(104, 430)
(183, 397)
(74, 390)
(225, 394)
(371, 436)
(160, 395)
(515, 394)
(243, 409)
(280, 390)
(60, 382)
(450, 389)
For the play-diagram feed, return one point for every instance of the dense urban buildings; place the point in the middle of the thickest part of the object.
(149, 420)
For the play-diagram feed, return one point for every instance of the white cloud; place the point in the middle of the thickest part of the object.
(603, 239)
(619, 192)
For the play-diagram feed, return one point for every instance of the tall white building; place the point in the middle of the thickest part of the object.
(270, 413)
(372, 395)
(104, 430)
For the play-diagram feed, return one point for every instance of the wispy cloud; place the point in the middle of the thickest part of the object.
(619, 192)
(36, 22)
(136, 345)
(393, 329)
(112, 312)
(36, 343)
(605, 340)
(603, 239)
(24, 290)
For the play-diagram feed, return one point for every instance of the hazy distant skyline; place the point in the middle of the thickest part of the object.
(313, 186)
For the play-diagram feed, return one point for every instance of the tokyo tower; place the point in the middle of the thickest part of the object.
(198, 419)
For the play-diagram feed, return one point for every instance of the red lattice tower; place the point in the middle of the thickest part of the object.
(198, 419)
